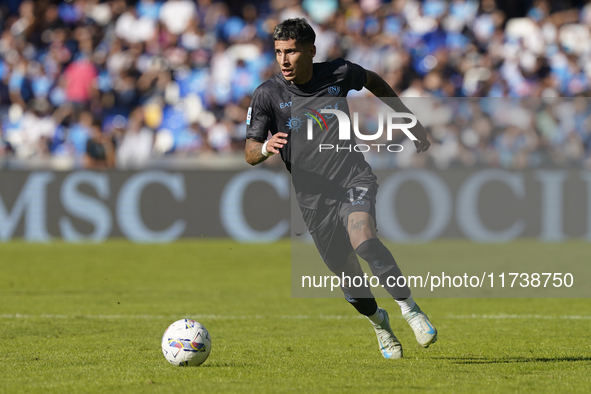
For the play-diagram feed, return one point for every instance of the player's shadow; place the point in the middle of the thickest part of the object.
(508, 360)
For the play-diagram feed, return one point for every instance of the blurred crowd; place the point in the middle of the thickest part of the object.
(511, 132)
(102, 84)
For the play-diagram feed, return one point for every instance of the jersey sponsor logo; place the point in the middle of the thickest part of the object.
(351, 192)
(318, 117)
(336, 106)
(334, 90)
(285, 105)
(248, 116)
(294, 123)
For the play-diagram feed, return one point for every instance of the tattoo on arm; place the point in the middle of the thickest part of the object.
(253, 152)
(356, 225)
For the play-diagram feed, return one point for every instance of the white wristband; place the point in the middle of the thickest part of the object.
(264, 150)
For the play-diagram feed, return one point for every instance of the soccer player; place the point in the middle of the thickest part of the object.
(336, 190)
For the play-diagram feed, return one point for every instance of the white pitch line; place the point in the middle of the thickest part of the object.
(212, 317)
(295, 317)
(506, 316)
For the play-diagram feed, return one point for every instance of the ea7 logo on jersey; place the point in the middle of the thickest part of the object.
(248, 116)
(285, 105)
(359, 199)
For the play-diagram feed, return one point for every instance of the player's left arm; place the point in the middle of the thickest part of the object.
(381, 89)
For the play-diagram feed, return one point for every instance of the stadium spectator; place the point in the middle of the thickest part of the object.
(108, 58)
(79, 78)
(100, 149)
(136, 143)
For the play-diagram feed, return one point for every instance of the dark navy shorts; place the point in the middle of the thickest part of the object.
(328, 225)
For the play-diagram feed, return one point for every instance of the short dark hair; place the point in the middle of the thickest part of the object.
(297, 29)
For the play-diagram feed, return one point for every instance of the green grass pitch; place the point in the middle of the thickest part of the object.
(89, 319)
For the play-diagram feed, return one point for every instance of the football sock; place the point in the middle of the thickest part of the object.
(365, 306)
(383, 266)
(406, 305)
(377, 317)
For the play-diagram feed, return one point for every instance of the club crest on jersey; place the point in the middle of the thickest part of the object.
(334, 90)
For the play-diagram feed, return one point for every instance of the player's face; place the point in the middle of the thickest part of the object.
(295, 60)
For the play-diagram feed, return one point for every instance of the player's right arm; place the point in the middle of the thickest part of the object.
(259, 121)
(253, 152)
(254, 149)
(381, 89)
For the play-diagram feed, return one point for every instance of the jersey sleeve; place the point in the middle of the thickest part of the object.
(356, 75)
(258, 118)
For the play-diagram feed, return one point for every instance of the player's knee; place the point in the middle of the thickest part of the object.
(359, 238)
(369, 249)
(377, 255)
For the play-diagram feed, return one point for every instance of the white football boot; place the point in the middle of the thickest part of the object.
(389, 345)
(425, 332)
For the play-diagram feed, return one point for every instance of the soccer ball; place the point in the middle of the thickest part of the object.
(186, 343)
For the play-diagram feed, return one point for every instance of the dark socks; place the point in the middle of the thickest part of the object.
(383, 266)
(365, 306)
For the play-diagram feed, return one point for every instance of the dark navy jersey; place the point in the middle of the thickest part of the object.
(281, 106)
